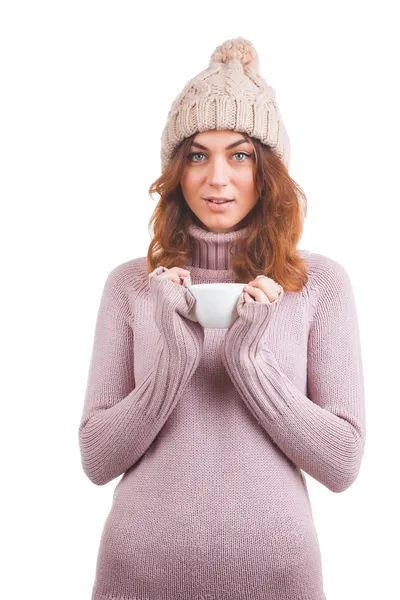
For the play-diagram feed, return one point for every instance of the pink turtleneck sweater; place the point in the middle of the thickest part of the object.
(212, 428)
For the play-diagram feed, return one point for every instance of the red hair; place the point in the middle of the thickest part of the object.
(276, 222)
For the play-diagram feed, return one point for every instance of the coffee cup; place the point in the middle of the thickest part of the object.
(215, 305)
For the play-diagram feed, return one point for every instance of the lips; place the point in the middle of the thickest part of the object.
(218, 200)
(218, 207)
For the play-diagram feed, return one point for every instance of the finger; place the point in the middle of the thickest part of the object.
(175, 274)
(171, 276)
(259, 295)
(268, 286)
(180, 270)
(248, 298)
(182, 275)
(264, 280)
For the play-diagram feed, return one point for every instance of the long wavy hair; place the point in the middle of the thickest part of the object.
(276, 222)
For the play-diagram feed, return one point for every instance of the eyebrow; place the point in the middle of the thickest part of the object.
(241, 141)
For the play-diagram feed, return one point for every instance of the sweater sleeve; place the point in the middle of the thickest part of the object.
(323, 433)
(121, 419)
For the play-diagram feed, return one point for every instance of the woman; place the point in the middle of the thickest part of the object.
(213, 427)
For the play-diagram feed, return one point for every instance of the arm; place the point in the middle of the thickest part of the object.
(121, 419)
(323, 434)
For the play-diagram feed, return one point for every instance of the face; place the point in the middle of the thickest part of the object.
(220, 164)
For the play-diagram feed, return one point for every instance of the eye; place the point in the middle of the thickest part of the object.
(190, 156)
(243, 153)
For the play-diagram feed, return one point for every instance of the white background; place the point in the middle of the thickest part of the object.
(85, 92)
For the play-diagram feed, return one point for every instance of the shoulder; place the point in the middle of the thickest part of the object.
(323, 271)
(329, 282)
(129, 270)
(128, 277)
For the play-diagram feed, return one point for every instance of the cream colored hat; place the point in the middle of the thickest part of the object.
(229, 94)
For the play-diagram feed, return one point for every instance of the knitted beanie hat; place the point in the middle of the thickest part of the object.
(229, 94)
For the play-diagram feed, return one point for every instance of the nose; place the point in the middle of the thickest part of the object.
(217, 173)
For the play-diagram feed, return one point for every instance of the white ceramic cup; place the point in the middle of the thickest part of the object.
(215, 305)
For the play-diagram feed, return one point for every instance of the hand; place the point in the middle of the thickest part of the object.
(257, 312)
(264, 289)
(164, 284)
(175, 274)
(248, 331)
(180, 277)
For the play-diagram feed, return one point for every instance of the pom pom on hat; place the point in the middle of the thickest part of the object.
(237, 49)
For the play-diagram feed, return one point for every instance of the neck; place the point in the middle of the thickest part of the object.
(212, 250)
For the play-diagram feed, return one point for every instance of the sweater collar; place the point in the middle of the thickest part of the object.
(212, 250)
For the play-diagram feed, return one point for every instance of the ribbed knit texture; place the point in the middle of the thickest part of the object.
(213, 427)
